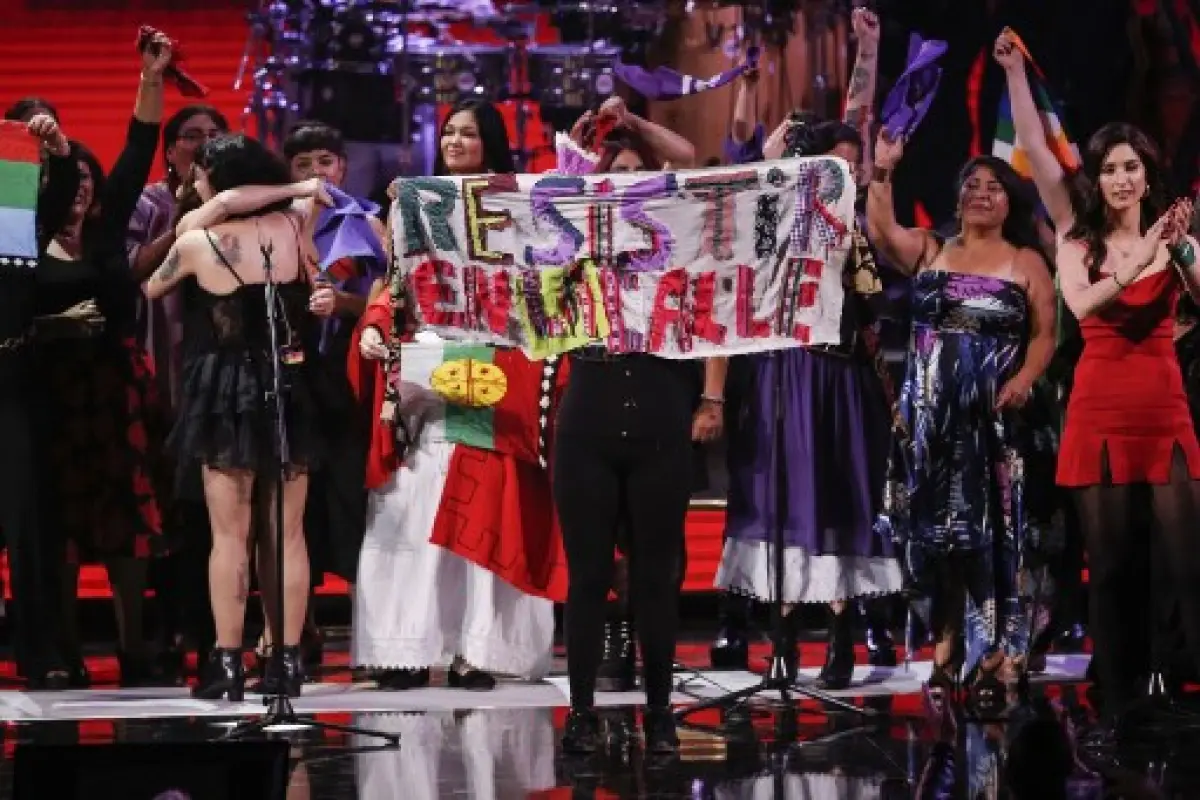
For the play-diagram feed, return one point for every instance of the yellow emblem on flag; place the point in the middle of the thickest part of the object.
(470, 383)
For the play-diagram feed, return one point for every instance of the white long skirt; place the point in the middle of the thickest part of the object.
(492, 754)
(418, 605)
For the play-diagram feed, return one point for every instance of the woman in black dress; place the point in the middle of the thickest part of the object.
(94, 397)
(226, 421)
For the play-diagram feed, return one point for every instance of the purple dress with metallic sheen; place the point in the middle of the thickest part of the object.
(836, 432)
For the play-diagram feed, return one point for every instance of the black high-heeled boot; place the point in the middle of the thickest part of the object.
(876, 615)
(285, 675)
(731, 648)
(222, 674)
(618, 665)
(839, 653)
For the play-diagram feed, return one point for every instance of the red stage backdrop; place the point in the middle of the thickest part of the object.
(80, 55)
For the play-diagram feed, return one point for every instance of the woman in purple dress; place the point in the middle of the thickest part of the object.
(834, 458)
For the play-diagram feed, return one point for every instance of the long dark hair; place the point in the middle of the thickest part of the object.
(1020, 226)
(1092, 222)
(497, 152)
(238, 160)
(617, 141)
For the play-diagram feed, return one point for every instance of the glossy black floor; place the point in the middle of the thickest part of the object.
(514, 753)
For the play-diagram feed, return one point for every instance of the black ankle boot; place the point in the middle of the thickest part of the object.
(222, 674)
(731, 648)
(839, 653)
(881, 648)
(619, 662)
(283, 678)
(658, 730)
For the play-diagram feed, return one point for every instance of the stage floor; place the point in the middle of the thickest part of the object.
(358, 698)
(505, 743)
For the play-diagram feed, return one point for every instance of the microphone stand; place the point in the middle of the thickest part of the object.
(776, 678)
(279, 705)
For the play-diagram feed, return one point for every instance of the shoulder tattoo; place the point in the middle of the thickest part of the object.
(230, 247)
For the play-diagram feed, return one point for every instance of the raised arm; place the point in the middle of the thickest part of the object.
(777, 141)
(1086, 298)
(860, 98)
(745, 105)
(672, 149)
(903, 247)
(1048, 174)
(59, 178)
(179, 264)
(1043, 302)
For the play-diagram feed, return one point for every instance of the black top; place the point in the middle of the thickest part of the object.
(103, 270)
(634, 397)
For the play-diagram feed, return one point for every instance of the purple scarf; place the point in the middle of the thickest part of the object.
(344, 236)
(664, 83)
(910, 99)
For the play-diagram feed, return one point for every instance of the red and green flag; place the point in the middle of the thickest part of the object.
(20, 172)
(495, 398)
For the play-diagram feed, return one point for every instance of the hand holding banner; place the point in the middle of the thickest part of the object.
(682, 264)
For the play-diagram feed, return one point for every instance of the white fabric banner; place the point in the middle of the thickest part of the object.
(681, 264)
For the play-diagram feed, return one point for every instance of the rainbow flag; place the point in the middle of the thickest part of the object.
(1006, 145)
(20, 172)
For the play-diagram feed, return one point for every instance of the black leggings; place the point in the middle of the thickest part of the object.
(598, 483)
(1119, 568)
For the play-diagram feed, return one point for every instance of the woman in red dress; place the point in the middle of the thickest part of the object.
(1128, 431)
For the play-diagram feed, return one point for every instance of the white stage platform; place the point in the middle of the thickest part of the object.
(346, 698)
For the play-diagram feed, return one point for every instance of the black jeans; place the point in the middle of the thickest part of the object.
(600, 482)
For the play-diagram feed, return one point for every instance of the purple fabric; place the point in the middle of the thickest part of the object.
(664, 83)
(344, 232)
(572, 159)
(159, 322)
(746, 152)
(836, 433)
(909, 100)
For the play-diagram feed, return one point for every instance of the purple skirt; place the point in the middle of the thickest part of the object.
(836, 435)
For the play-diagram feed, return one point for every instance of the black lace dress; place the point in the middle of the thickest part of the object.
(225, 420)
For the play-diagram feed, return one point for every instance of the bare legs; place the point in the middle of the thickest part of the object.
(229, 498)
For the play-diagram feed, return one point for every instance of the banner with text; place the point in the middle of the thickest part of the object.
(678, 264)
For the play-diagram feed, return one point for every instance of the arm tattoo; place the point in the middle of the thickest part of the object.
(170, 268)
(854, 117)
(859, 80)
(231, 248)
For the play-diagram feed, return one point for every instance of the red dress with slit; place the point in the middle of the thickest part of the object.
(1128, 413)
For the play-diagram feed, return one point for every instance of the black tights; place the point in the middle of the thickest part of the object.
(1119, 568)
(598, 483)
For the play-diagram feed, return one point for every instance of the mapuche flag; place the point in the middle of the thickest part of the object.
(20, 172)
(494, 398)
(1007, 146)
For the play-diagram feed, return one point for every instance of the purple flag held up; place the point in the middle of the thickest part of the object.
(909, 100)
(664, 83)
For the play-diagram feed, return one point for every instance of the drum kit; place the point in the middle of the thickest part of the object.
(378, 69)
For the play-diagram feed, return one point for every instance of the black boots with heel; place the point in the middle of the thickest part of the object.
(222, 674)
